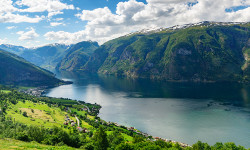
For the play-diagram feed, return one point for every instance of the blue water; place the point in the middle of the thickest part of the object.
(185, 112)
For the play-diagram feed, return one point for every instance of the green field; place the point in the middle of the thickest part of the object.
(42, 114)
(5, 91)
(11, 144)
(125, 136)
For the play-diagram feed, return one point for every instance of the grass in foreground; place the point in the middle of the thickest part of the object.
(11, 144)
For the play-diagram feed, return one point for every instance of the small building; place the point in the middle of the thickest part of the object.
(131, 128)
(80, 129)
(73, 124)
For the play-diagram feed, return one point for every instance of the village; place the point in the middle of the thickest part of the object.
(38, 92)
(72, 123)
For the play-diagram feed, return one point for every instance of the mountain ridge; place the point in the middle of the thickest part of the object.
(204, 51)
(214, 52)
(77, 55)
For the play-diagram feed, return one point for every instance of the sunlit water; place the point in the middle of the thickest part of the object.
(184, 112)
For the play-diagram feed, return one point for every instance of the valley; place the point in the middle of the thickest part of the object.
(145, 90)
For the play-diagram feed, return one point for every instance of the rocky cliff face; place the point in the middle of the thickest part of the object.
(203, 52)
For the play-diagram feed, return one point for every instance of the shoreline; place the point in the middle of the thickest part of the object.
(148, 135)
(40, 91)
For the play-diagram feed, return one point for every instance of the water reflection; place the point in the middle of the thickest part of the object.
(237, 94)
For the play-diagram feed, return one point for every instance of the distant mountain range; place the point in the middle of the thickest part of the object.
(18, 50)
(46, 57)
(205, 51)
(14, 70)
(64, 57)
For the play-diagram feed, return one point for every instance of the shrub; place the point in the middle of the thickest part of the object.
(25, 114)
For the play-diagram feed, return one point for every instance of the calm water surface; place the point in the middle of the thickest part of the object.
(184, 112)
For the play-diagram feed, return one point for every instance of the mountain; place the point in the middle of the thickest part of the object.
(47, 56)
(207, 51)
(77, 56)
(15, 70)
(18, 50)
(64, 57)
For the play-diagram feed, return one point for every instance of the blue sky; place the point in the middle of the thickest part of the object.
(39, 22)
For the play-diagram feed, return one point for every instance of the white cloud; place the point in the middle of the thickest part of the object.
(89, 15)
(168, 1)
(58, 19)
(11, 27)
(8, 14)
(53, 7)
(16, 18)
(103, 25)
(7, 6)
(29, 35)
(65, 37)
(18, 12)
(53, 13)
(54, 24)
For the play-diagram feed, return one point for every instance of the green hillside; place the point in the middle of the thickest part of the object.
(14, 70)
(77, 56)
(11, 144)
(206, 52)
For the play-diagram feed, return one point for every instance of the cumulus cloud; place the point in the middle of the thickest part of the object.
(17, 12)
(53, 7)
(29, 35)
(7, 6)
(16, 18)
(8, 14)
(103, 25)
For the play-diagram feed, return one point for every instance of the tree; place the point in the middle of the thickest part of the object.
(163, 144)
(115, 138)
(89, 146)
(138, 139)
(124, 146)
(22, 136)
(100, 139)
(201, 146)
(25, 114)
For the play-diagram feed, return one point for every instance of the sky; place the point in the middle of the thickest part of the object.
(33, 23)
